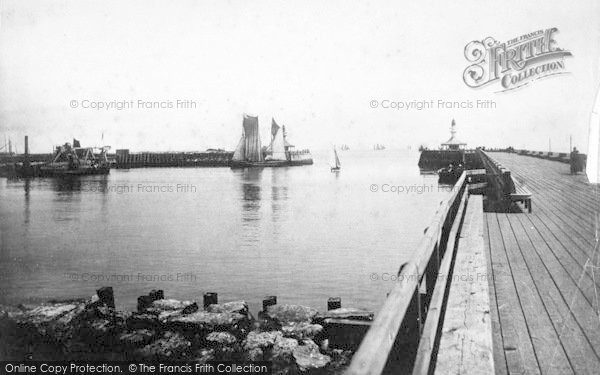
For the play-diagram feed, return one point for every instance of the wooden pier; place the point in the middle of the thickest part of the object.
(504, 291)
(544, 273)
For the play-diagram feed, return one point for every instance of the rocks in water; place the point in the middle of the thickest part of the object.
(56, 321)
(189, 309)
(345, 313)
(169, 329)
(282, 352)
(288, 314)
(171, 346)
(42, 316)
(204, 355)
(143, 321)
(205, 321)
(301, 331)
(308, 357)
(97, 332)
(261, 340)
(169, 305)
(239, 307)
(221, 338)
(171, 308)
(308, 342)
(254, 355)
(136, 338)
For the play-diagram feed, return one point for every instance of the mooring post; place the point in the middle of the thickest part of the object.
(334, 303)
(106, 296)
(210, 299)
(269, 301)
(143, 302)
(157, 294)
(26, 156)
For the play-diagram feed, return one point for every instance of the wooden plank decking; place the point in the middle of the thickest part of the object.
(466, 340)
(543, 273)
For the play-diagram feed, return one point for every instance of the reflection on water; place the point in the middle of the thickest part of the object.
(303, 234)
(251, 194)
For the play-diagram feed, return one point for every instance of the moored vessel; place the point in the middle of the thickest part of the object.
(450, 174)
(250, 154)
(74, 160)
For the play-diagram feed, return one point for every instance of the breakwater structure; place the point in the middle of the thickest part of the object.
(292, 338)
(453, 151)
(496, 286)
(436, 159)
(209, 158)
(123, 159)
(31, 165)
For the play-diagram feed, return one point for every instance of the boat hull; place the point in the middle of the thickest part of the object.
(270, 164)
(446, 176)
(52, 172)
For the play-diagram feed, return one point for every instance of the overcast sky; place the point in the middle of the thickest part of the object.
(314, 66)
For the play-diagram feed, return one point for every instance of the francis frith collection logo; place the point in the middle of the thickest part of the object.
(516, 62)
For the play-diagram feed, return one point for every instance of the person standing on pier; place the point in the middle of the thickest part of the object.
(575, 164)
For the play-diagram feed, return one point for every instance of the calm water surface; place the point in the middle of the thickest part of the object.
(303, 234)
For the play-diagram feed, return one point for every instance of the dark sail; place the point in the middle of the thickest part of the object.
(253, 151)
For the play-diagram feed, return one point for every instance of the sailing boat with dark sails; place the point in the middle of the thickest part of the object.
(250, 154)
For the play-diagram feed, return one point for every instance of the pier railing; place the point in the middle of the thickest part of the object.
(407, 329)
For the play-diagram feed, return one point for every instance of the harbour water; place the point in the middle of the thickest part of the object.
(303, 234)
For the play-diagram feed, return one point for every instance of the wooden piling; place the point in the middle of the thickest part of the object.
(269, 301)
(210, 299)
(334, 303)
(157, 294)
(143, 302)
(106, 296)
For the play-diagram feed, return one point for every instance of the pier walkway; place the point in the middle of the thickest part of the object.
(543, 273)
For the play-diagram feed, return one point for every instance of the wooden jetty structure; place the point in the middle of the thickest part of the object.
(216, 158)
(495, 287)
(453, 151)
(557, 156)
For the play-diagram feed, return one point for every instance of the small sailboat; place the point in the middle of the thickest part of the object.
(335, 161)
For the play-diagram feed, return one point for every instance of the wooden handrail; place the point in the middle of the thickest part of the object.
(376, 347)
(429, 341)
(372, 354)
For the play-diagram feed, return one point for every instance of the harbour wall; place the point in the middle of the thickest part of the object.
(436, 159)
(125, 159)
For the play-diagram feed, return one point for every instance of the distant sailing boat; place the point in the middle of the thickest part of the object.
(335, 162)
(250, 154)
